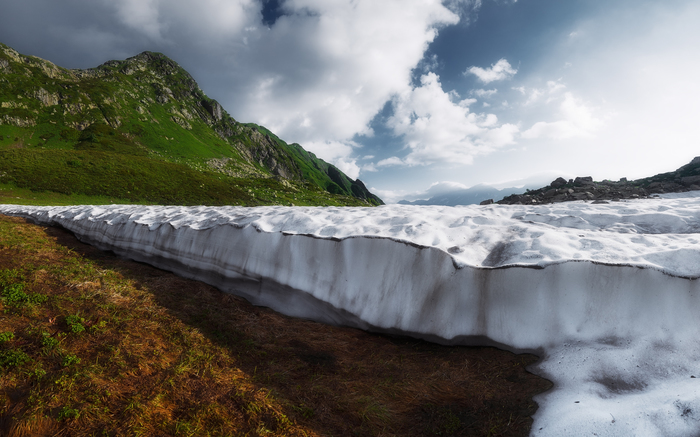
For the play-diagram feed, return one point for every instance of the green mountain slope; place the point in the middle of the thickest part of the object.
(141, 130)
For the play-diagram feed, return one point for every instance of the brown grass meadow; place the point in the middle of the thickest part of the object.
(92, 344)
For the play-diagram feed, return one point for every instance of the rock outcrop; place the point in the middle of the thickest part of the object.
(686, 178)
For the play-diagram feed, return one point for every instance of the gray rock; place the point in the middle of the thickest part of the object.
(558, 182)
(486, 202)
(584, 180)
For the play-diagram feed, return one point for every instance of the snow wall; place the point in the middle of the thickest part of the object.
(608, 294)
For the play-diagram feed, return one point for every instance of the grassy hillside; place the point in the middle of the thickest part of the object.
(99, 177)
(149, 119)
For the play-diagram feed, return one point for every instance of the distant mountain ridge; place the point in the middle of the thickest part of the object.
(147, 111)
(466, 196)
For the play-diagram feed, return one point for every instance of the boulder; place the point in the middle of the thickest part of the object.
(558, 182)
(584, 180)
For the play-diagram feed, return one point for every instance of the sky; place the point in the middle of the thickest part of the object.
(418, 97)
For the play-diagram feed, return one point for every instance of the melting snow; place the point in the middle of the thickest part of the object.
(608, 294)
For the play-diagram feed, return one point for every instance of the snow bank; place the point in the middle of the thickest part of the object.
(608, 294)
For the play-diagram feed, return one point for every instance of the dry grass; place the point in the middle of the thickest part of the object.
(162, 355)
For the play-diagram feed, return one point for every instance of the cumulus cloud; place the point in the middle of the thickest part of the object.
(551, 90)
(499, 71)
(388, 196)
(140, 15)
(577, 120)
(438, 129)
(338, 153)
(326, 68)
(390, 162)
(317, 76)
(485, 93)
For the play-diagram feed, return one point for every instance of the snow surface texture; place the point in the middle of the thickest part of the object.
(608, 294)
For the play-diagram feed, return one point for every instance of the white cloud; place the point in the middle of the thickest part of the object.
(388, 196)
(390, 162)
(371, 168)
(438, 130)
(463, 8)
(551, 89)
(554, 86)
(330, 66)
(349, 167)
(485, 93)
(499, 71)
(577, 120)
(337, 153)
(140, 15)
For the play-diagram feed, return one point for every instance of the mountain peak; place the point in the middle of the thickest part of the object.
(149, 105)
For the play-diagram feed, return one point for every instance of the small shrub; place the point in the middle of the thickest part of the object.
(98, 327)
(48, 342)
(14, 294)
(38, 373)
(68, 413)
(6, 336)
(69, 360)
(75, 324)
(13, 357)
(12, 289)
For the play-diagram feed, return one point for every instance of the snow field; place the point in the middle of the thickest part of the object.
(607, 294)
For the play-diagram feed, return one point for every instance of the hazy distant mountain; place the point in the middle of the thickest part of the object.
(470, 196)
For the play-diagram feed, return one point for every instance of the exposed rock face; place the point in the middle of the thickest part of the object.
(214, 109)
(17, 121)
(686, 178)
